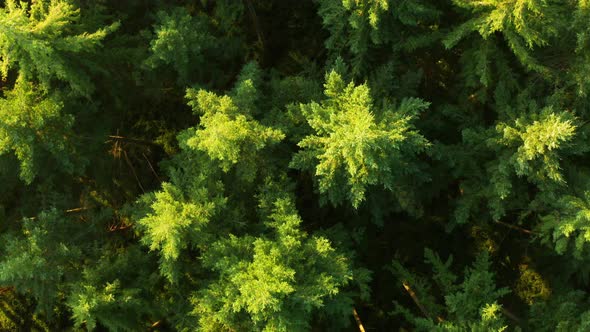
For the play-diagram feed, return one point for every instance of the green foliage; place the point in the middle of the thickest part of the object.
(566, 312)
(227, 131)
(580, 29)
(42, 41)
(43, 46)
(179, 42)
(469, 305)
(356, 144)
(45, 255)
(31, 124)
(523, 23)
(177, 222)
(197, 41)
(529, 143)
(266, 274)
(278, 280)
(569, 221)
(91, 304)
(257, 165)
(15, 312)
(118, 302)
(357, 27)
(537, 141)
(363, 20)
(531, 286)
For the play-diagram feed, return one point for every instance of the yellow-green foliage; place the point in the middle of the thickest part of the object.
(278, 280)
(531, 287)
(524, 23)
(569, 222)
(228, 131)
(538, 138)
(32, 123)
(40, 41)
(357, 144)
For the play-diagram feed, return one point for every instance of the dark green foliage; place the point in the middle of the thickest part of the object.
(179, 42)
(471, 305)
(254, 165)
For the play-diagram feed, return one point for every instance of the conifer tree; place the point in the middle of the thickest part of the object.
(462, 310)
(257, 165)
(356, 145)
(39, 41)
(42, 44)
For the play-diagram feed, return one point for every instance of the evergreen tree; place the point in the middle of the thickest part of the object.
(356, 145)
(250, 165)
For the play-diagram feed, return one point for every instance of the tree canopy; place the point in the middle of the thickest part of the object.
(271, 165)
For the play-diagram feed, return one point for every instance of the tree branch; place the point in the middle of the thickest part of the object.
(417, 302)
(134, 140)
(133, 170)
(358, 320)
(520, 229)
